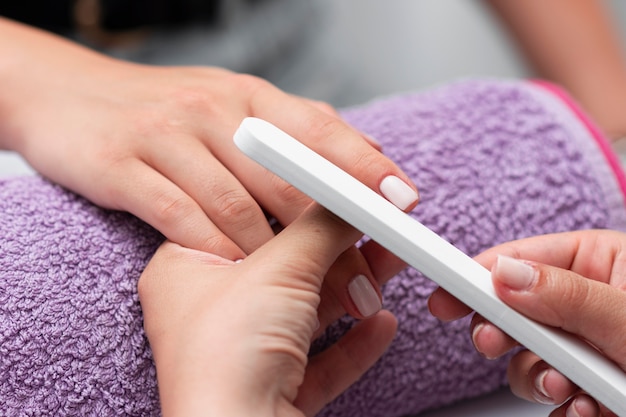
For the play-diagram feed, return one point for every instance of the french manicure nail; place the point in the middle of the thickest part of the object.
(398, 192)
(364, 296)
(479, 328)
(582, 404)
(572, 411)
(514, 273)
(541, 394)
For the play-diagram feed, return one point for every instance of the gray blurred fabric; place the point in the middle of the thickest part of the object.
(274, 39)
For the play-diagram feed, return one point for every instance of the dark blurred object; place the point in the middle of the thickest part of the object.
(56, 16)
(127, 15)
(112, 15)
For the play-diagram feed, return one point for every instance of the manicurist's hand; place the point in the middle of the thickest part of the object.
(158, 142)
(574, 281)
(232, 338)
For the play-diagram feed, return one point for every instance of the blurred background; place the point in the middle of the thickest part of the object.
(345, 52)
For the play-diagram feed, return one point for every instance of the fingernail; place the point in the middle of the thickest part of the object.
(582, 405)
(364, 296)
(541, 394)
(479, 328)
(398, 192)
(571, 410)
(515, 274)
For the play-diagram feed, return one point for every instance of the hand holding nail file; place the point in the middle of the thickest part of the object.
(421, 248)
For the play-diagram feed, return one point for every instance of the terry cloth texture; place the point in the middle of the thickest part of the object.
(494, 160)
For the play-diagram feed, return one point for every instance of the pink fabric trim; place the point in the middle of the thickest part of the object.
(601, 140)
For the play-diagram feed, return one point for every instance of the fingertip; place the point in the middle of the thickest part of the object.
(534, 380)
(549, 385)
(333, 370)
(445, 306)
(383, 327)
(388, 325)
(477, 333)
(490, 341)
(582, 406)
(383, 263)
(391, 319)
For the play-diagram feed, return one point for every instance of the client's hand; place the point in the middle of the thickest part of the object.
(574, 281)
(231, 339)
(158, 142)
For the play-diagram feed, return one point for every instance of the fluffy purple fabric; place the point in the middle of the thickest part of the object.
(71, 336)
(494, 161)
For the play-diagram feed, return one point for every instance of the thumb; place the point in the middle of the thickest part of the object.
(561, 298)
(308, 246)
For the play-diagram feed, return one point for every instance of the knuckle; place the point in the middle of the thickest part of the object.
(249, 83)
(234, 207)
(168, 208)
(191, 99)
(573, 295)
(363, 159)
(329, 129)
(286, 193)
(188, 96)
(113, 184)
(369, 161)
(324, 107)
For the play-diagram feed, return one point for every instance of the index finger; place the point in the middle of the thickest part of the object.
(554, 249)
(561, 298)
(595, 254)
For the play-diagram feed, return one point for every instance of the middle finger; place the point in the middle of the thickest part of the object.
(224, 200)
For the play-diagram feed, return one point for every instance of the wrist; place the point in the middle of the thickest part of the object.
(38, 71)
(193, 397)
(199, 388)
(211, 400)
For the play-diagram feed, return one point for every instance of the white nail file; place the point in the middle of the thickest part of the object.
(430, 254)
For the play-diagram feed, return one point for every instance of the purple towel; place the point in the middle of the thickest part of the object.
(494, 160)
